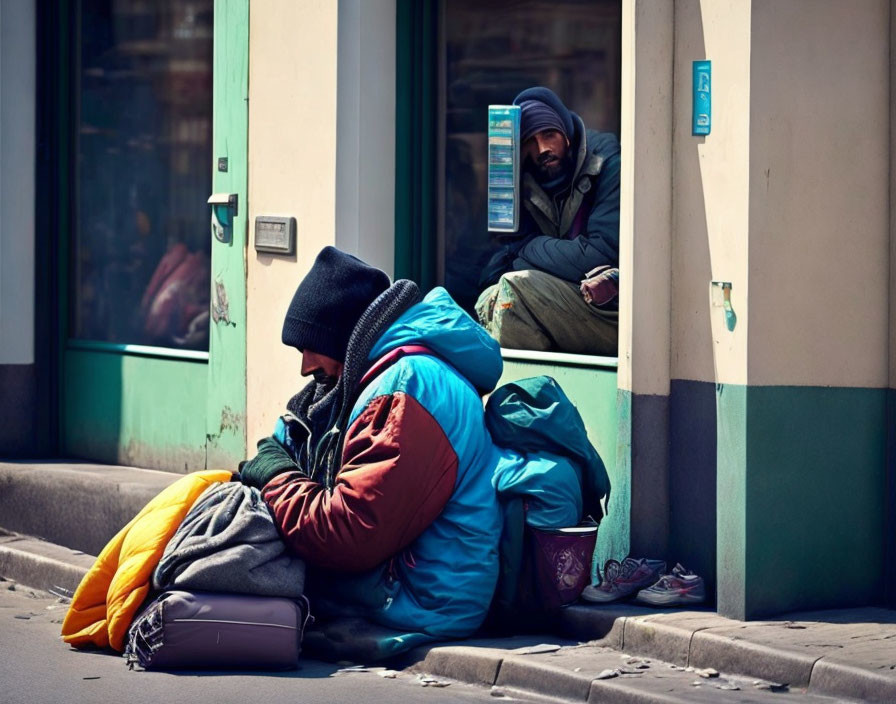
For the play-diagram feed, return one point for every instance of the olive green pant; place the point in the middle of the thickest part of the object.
(532, 310)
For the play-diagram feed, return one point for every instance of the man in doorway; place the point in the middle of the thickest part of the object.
(380, 475)
(553, 285)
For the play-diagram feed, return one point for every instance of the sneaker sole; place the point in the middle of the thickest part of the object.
(599, 597)
(670, 599)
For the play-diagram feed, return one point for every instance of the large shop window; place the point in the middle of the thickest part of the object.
(139, 256)
(456, 57)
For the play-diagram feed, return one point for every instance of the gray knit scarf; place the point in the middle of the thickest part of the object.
(325, 412)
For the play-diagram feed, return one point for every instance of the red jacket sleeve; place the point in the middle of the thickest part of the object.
(398, 472)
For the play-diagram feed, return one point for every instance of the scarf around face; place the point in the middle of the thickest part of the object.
(322, 410)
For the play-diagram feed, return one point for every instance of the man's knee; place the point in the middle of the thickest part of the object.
(485, 304)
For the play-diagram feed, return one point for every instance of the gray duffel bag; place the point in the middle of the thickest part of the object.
(205, 630)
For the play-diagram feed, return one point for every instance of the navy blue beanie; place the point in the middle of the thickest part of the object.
(530, 117)
(329, 302)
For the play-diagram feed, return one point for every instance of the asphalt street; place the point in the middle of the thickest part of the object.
(36, 667)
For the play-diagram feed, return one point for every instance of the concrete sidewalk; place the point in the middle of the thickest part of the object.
(56, 516)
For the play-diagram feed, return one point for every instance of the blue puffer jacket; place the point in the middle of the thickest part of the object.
(445, 586)
(408, 535)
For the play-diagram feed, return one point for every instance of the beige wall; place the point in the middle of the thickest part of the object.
(711, 196)
(819, 192)
(788, 197)
(292, 171)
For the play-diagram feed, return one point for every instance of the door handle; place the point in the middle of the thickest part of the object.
(225, 208)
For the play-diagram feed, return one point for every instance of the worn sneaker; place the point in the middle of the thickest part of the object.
(622, 579)
(680, 587)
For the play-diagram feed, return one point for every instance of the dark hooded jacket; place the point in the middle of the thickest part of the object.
(576, 230)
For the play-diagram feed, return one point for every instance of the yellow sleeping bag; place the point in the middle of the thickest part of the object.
(108, 597)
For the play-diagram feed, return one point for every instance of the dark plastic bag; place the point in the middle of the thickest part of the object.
(205, 630)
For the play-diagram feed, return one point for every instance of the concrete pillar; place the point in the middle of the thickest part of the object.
(801, 395)
(365, 144)
(645, 250)
(710, 215)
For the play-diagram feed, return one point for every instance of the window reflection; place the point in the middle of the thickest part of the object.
(140, 255)
(492, 51)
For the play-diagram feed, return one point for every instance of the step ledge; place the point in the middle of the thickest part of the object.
(42, 565)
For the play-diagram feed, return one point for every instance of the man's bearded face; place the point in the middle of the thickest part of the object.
(546, 154)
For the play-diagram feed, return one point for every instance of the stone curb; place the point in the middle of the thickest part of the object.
(77, 505)
(711, 643)
(42, 565)
(843, 680)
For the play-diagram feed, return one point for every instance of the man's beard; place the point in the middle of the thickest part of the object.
(325, 383)
(548, 167)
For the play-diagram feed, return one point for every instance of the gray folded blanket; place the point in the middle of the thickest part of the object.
(228, 542)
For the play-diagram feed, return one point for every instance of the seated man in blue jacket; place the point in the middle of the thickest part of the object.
(553, 284)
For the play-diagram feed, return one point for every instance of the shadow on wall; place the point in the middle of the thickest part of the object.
(692, 404)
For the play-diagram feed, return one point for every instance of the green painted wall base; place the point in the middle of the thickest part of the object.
(593, 391)
(801, 498)
(140, 411)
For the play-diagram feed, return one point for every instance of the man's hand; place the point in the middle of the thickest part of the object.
(272, 459)
(600, 286)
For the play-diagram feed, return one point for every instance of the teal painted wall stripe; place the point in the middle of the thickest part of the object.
(890, 532)
(802, 498)
(127, 409)
(731, 499)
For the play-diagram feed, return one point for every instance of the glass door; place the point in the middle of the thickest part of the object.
(137, 309)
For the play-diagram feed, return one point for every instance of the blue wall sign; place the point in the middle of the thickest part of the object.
(702, 120)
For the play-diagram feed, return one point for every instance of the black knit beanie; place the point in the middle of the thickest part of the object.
(536, 117)
(551, 100)
(329, 302)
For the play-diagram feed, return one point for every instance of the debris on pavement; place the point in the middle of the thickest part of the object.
(429, 681)
(771, 686)
(388, 674)
(359, 668)
(708, 672)
(537, 649)
(607, 674)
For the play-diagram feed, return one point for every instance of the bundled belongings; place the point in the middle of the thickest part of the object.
(550, 496)
(228, 543)
(245, 607)
(196, 630)
(114, 588)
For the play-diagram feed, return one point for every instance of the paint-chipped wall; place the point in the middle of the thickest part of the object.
(819, 193)
(292, 171)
